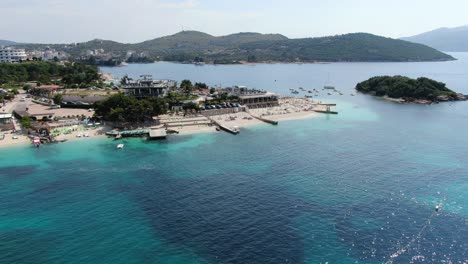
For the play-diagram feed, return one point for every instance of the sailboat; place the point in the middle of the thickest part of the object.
(327, 84)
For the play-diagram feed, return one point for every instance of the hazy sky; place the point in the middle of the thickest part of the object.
(59, 21)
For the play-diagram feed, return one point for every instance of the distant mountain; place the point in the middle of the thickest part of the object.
(349, 47)
(188, 46)
(7, 43)
(445, 39)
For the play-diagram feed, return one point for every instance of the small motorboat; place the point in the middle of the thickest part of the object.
(118, 136)
(86, 135)
(79, 135)
(438, 207)
(120, 146)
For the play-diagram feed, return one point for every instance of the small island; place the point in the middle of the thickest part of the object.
(404, 89)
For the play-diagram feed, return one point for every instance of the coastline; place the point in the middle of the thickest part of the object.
(287, 62)
(183, 131)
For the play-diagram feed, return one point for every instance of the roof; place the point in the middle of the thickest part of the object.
(52, 87)
(4, 116)
(262, 95)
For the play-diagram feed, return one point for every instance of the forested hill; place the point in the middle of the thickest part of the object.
(255, 47)
(408, 89)
(349, 47)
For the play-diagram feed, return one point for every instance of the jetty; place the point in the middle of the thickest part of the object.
(268, 121)
(232, 130)
(327, 109)
(157, 134)
(150, 133)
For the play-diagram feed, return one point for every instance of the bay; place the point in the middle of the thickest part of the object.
(358, 187)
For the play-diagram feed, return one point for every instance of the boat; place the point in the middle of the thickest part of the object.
(79, 135)
(438, 207)
(352, 94)
(327, 85)
(86, 135)
(118, 136)
(120, 146)
(37, 142)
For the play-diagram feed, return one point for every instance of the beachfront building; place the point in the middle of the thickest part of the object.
(9, 55)
(147, 87)
(265, 99)
(46, 90)
(252, 97)
(5, 118)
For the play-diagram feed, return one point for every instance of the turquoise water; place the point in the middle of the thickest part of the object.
(351, 188)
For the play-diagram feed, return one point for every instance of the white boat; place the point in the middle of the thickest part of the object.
(86, 135)
(120, 146)
(327, 84)
(79, 135)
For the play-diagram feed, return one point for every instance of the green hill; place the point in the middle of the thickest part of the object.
(408, 89)
(255, 47)
(349, 47)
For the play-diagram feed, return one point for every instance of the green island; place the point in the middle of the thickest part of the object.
(198, 47)
(405, 89)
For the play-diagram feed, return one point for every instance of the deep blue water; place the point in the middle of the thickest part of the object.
(352, 188)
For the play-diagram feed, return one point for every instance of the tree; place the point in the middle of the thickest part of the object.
(27, 87)
(200, 85)
(15, 91)
(187, 86)
(26, 121)
(124, 80)
(58, 99)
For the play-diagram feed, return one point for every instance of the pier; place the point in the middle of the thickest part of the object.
(233, 131)
(157, 134)
(150, 133)
(327, 109)
(268, 121)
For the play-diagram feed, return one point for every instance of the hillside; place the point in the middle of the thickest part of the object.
(349, 47)
(7, 43)
(255, 47)
(445, 39)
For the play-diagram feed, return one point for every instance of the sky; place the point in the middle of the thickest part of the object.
(132, 21)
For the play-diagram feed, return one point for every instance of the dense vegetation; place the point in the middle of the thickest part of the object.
(121, 108)
(406, 88)
(48, 72)
(350, 47)
(189, 46)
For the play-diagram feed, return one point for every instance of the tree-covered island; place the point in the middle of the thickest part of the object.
(405, 89)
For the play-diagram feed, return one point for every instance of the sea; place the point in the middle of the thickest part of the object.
(357, 187)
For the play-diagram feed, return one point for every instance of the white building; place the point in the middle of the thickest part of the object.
(12, 55)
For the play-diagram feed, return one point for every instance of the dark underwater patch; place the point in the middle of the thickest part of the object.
(17, 171)
(235, 221)
(24, 246)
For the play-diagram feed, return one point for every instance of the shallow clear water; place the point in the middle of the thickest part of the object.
(352, 188)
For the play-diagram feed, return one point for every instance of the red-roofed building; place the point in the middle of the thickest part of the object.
(46, 89)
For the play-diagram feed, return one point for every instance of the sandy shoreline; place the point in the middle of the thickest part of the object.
(289, 109)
